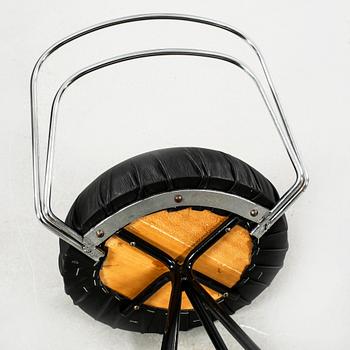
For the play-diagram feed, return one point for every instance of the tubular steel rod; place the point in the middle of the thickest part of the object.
(209, 241)
(117, 60)
(172, 325)
(217, 311)
(158, 283)
(218, 287)
(147, 248)
(211, 283)
(205, 318)
(199, 298)
(42, 201)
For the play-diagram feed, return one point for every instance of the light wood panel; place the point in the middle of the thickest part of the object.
(128, 270)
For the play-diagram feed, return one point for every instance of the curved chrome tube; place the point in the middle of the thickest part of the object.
(42, 199)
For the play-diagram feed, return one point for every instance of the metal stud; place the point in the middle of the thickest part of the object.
(254, 212)
(100, 233)
(133, 244)
(178, 198)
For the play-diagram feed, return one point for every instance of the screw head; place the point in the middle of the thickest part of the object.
(133, 244)
(254, 212)
(178, 198)
(136, 307)
(100, 233)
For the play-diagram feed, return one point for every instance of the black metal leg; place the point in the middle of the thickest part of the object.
(171, 332)
(209, 282)
(205, 319)
(145, 294)
(218, 287)
(209, 241)
(183, 277)
(224, 318)
(148, 248)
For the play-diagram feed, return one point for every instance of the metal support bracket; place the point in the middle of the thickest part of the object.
(205, 198)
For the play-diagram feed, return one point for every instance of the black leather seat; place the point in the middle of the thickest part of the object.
(149, 174)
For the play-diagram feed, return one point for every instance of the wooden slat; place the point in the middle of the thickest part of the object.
(128, 270)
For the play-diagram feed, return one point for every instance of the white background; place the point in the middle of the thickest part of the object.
(164, 102)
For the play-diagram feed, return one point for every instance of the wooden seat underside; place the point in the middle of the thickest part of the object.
(127, 270)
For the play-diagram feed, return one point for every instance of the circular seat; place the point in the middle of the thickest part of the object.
(101, 289)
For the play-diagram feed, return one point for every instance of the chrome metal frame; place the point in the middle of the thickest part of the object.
(89, 243)
(203, 198)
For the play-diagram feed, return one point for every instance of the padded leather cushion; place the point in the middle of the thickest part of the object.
(156, 172)
(165, 170)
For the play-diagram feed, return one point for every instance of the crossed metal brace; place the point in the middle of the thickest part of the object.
(184, 279)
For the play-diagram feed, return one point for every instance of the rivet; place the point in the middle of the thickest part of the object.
(133, 244)
(178, 198)
(254, 212)
(100, 233)
(136, 307)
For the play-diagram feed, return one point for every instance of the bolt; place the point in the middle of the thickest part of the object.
(225, 295)
(178, 198)
(227, 229)
(254, 212)
(136, 307)
(133, 244)
(100, 233)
